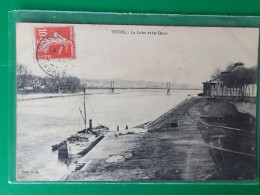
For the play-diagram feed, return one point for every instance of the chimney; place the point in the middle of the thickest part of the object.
(90, 124)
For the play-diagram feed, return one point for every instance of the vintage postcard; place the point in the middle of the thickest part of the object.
(135, 103)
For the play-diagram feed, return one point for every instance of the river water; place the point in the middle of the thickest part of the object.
(44, 122)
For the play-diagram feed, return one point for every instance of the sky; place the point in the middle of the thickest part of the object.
(186, 55)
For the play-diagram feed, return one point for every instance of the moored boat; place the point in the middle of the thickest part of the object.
(83, 141)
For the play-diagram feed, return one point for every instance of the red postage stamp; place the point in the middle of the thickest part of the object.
(54, 43)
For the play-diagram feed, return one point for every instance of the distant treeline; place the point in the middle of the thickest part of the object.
(28, 83)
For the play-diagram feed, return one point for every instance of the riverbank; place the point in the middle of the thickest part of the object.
(37, 96)
(57, 119)
(200, 148)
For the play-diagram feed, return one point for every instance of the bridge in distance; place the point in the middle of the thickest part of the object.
(112, 86)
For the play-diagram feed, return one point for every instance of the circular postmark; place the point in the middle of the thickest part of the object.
(55, 51)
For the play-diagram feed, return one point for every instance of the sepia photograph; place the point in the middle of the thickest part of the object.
(135, 103)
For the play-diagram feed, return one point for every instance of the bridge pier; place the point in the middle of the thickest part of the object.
(112, 86)
(168, 88)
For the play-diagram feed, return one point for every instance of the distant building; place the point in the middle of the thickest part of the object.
(225, 73)
(239, 64)
(209, 87)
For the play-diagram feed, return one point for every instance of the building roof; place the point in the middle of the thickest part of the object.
(238, 68)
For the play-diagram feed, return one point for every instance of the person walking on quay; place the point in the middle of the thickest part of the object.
(126, 127)
(117, 128)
